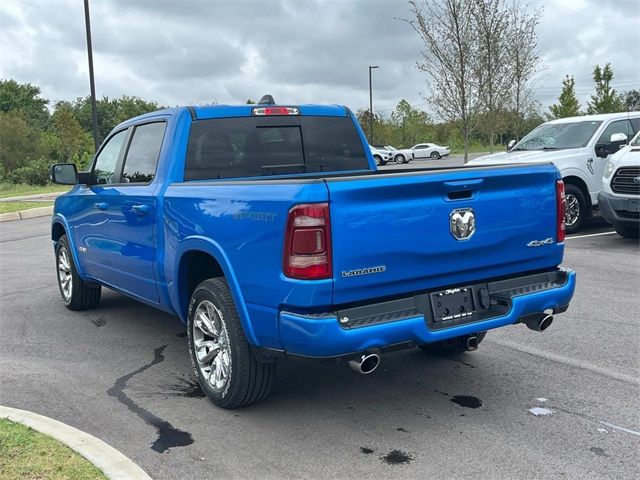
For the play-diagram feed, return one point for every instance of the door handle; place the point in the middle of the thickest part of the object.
(101, 205)
(141, 209)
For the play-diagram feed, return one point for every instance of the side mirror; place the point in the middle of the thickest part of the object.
(618, 137)
(601, 150)
(64, 174)
(511, 144)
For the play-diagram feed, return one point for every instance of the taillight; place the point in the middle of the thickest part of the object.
(275, 111)
(561, 206)
(307, 242)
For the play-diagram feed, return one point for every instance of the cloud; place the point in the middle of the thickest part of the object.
(307, 51)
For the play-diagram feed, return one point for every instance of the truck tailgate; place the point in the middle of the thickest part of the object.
(391, 233)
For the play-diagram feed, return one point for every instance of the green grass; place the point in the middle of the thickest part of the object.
(8, 207)
(13, 190)
(28, 455)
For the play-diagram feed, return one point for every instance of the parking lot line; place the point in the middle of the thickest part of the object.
(589, 235)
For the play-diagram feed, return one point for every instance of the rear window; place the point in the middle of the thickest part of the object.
(276, 145)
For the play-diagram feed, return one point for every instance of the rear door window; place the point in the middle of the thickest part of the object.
(262, 146)
(142, 156)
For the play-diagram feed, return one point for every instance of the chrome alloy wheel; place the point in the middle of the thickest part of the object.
(211, 345)
(64, 273)
(573, 210)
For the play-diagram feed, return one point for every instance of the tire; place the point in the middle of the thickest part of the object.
(576, 208)
(378, 159)
(628, 232)
(449, 347)
(75, 292)
(399, 159)
(435, 156)
(233, 377)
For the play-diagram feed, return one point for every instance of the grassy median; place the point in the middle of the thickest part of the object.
(8, 207)
(28, 455)
(17, 189)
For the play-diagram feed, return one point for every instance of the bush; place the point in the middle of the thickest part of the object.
(36, 173)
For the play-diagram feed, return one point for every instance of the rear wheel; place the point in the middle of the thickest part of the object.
(628, 232)
(435, 155)
(576, 208)
(226, 368)
(75, 292)
(378, 159)
(399, 159)
(451, 346)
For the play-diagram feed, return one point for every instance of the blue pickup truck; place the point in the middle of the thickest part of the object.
(270, 232)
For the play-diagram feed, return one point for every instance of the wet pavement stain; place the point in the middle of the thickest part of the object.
(441, 393)
(467, 401)
(99, 322)
(598, 451)
(397, 457)
(168, 435)
(400, 429)
(186, 387)
(366, 451)
(181, 334)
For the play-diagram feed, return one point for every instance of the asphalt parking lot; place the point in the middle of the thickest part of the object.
(121, 372)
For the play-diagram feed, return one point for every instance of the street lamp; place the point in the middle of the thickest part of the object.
(94, 111)
(371, 67)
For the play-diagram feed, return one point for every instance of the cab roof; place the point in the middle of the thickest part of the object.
(597, 118)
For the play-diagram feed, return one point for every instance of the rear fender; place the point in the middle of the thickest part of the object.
(212, 248)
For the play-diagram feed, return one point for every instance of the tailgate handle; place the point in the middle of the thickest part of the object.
(462, 189)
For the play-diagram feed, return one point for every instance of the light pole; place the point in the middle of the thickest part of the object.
(94, 111)
(371, 67)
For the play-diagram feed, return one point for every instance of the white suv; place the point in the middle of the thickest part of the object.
(579, 147)
(619, 199)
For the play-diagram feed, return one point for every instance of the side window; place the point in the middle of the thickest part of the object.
(105, 165)
(619, 126)
(142, 156)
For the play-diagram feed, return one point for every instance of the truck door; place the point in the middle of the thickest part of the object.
(132, 223)
(91, 216)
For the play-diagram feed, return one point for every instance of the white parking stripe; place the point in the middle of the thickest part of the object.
(590, 235)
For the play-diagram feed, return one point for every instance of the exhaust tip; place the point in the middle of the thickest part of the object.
(541, 323)
(546, 322)
(367, 363)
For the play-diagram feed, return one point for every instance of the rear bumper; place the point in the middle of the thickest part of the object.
(619, 210)
(407, 322)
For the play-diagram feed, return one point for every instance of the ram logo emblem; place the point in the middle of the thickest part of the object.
(462, 223)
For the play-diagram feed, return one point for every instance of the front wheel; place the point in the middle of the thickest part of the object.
(399, 159)
(226, 368)
(76, 293)
(378, 159)
(451, 346)
(435, 155)
(628, 232)
(576, 208)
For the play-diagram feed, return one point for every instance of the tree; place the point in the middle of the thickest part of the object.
(412, 125)
(450, 58)
(631, 100)
(24, 97)
(568, 104)
(492, 21)
(524, 59)
(70, 142)
(605, 100)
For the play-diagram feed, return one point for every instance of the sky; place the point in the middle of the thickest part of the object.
(299, 51)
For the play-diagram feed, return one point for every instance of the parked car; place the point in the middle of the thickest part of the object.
(380, 155)
(619, 199)
(580, 147)
(269, 231)
(429, 150)
(399, 156)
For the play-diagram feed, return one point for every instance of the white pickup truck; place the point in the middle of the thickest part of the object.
(579, 147)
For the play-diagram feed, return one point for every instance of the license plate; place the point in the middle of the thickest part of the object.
(452, 303)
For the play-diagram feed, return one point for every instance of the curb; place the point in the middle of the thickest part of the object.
(113, 464)
(24, 214)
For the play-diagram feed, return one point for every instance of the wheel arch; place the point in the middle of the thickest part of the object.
(60, 227)
(582, 185)
(199, 259)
